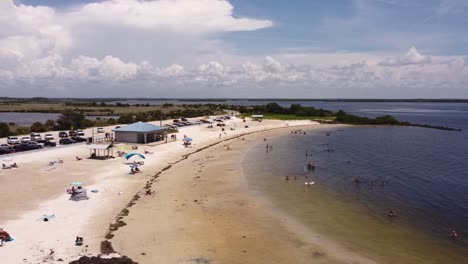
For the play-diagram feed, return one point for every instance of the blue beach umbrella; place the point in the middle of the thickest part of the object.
(129, 155)
(188, 139)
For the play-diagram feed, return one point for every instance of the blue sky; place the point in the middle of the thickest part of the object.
(436, 26)
(365, 48)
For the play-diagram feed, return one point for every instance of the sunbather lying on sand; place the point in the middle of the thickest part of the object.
(4, 236)
(78, 158)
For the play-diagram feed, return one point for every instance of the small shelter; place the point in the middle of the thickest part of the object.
(101, 151)
(79, 195)
(139, 132)
(257, 117)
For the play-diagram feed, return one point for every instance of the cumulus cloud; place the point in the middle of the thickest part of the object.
(166, 48)
(188, 16)
(411, 57)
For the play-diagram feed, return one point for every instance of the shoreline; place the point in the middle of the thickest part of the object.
(144, 223)
(32, 192)
(346, 221)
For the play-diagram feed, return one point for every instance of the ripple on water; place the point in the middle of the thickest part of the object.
(402, 169)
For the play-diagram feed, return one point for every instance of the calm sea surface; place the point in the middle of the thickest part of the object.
(420, 173)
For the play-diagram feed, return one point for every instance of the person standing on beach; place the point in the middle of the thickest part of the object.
(267, 148)
(219, 135)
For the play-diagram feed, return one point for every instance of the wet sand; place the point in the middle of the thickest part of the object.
(204, 212)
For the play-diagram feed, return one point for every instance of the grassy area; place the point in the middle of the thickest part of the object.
(89, 110)
(292, 117)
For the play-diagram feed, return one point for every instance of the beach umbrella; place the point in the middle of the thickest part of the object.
(188, 139)
(129, 155)
(76, 183)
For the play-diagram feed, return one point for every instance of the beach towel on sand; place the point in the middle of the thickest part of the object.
(11, 239)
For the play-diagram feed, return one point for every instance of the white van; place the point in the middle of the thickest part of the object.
(100, 130)
(35, 136)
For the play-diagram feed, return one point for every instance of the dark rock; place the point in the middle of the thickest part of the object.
(98, 260)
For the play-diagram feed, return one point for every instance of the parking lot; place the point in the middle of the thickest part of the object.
(59, 139)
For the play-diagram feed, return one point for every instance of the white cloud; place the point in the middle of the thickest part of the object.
(411, 57)
(187, 16)
(30, 32)
(172, 71)
(161, 48)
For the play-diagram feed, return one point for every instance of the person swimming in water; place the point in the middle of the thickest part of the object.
(454, 235)
(392, 214)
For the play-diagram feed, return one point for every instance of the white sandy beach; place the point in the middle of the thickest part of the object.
(34, 189)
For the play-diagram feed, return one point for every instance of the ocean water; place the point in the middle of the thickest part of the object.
(420, 173)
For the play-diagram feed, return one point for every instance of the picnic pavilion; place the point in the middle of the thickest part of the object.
(139, 132)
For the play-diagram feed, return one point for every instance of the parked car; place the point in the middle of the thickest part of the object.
(5, 151)
(33, 145)
(47, 143)
(13, 140)
(100, 130)
(63, 134)
(25, 139)
(117, 127)
(175, 121)
(80, 139)
(35, 136)
(48, 137)
(19, 147)
(80, 132)
(66, 141)
(7, 148)
(72, 133)
(183, 119)
(170, 126)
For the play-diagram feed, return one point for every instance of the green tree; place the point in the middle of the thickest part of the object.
(340, 113)
(126, 118)
(50, 124)
(4, 130)
(38, 127)
(141, 116)
(71, 120)
(21, 130)
(295, 108)
(274, 108)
